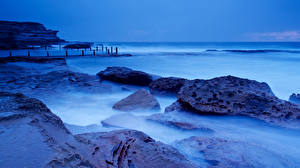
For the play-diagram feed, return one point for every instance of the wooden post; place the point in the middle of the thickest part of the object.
(112, 50)
(28, 53)
(48, 54)
(66, 53)
(108, 52)
(82, 52)
(10, 54)
(116, 50)
(94, 52)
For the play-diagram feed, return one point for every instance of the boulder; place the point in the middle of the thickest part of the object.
(218, 152)
(140, 100)
(166, 86)
(126, 76)
(234, 96)
(32, 136)
(22, 35)
(295, 98)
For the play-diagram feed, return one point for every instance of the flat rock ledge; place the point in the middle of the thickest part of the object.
(41, 60)
(140, 100)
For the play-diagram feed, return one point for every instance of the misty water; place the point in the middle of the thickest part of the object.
(278, 66)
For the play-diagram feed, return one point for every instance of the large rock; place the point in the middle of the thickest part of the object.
(166, 86)
(32, 136)
(126, 76)
(140, 100)
(218, 152)
(295, 98)
(21, 35)
(234, 96)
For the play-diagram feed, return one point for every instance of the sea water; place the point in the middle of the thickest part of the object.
(277, 64)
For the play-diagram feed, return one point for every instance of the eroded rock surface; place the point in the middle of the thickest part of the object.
(166, 86)
(129, 149)
(126, 76)
(217, 152)
(234, 96)
(139, 100)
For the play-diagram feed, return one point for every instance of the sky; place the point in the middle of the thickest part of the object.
(161, 20)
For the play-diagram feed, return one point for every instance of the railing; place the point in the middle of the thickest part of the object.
(60, 52)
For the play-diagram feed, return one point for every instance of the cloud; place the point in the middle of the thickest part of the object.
(276, 36)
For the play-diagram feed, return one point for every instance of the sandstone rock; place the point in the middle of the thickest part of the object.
(295, 98)
(166, 86)
(235, 96)
(126, 76)
(218, 152)
(128, 149)
(140, 100)
(32, 136)
(21, 35)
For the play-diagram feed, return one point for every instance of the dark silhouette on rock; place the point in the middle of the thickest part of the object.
(235, 96)
(140, 100)
(126, 76)
(22, 35)
(78, 46)
(166, 86)
(295, 98)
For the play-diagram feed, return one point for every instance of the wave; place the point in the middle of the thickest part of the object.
(254, 51)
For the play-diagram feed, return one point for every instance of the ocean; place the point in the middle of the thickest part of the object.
(277, 64)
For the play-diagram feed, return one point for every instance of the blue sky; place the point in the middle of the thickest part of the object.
(162, 20)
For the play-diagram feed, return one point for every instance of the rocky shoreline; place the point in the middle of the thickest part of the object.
(23, 115)
(24, 35)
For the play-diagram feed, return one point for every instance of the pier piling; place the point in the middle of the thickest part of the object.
(66, 53)
(10, 54)
(82, 53)
(94, 52)
(116, 50)
(48, 54)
